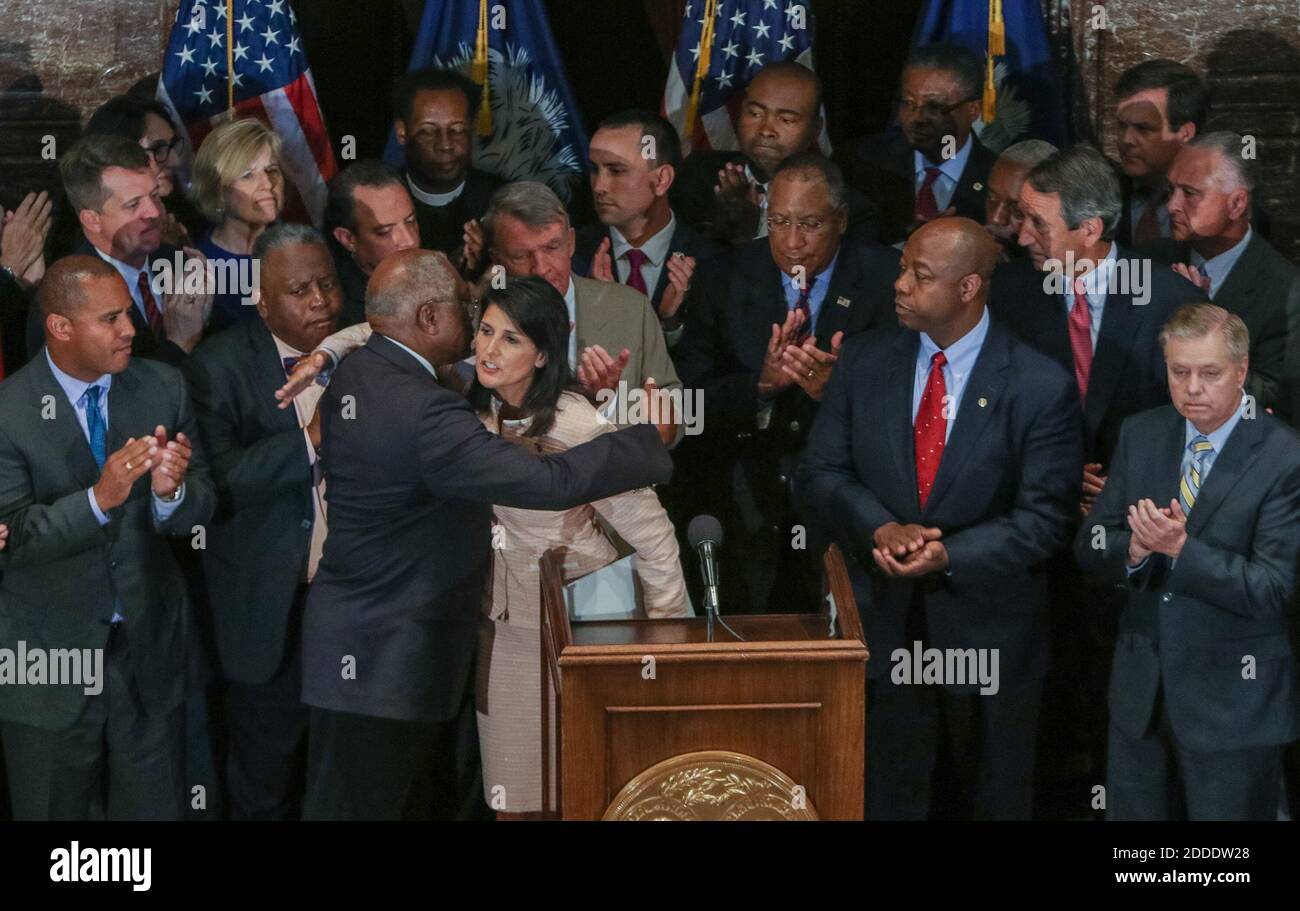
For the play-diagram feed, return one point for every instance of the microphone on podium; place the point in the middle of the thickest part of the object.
(705, 537)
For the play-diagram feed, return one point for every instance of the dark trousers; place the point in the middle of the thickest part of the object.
(266, 729)
(115, 762)
(937, 754)
(1156, 777)
(362, 767)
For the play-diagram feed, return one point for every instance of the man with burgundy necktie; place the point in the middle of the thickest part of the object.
(765, 326)
(639, 241)
(1101, 321)
(1161, 107)
(944, 460)
(933, 164)
(266, 538)
(1198, 523)
(112, 184)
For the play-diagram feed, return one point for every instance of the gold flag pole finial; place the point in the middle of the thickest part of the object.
(479, 70)
(701, 68)
(230, 58)
(997, 48)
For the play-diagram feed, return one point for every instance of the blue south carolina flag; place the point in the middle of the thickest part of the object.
(1030, 70)
(536, 132)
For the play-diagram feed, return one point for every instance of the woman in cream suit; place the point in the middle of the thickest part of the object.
(523, 390)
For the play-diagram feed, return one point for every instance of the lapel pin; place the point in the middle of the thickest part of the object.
(979, 187)
(843, 301)
(983, 402)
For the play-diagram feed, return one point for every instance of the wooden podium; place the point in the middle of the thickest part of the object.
(646, 719)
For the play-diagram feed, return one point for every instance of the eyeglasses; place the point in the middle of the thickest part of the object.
(161, 150)
(777, 224)
(932, 110)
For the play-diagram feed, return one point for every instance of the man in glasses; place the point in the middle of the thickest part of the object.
(934, 164)
(765, 328)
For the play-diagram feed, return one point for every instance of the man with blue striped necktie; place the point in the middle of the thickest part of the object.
(1203, 688)
(96, 467)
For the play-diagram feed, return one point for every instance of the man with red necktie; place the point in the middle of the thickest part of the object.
(944, 461)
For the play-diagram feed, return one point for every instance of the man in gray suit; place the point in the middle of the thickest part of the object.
(1199, 520)
(96, 467)
(1210, 206)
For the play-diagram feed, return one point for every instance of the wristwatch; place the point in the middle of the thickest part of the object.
(176, 494)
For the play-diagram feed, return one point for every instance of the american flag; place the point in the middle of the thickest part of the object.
(746, 36)
(271, 81)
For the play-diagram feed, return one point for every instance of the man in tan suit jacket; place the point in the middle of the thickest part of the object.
(616, 333)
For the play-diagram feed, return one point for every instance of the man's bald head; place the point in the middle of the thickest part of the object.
(944, 281)
(65, 289)
(961, 245)
(418, 298)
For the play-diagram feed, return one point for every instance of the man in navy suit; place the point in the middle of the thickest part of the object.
(944, 461)
(639, 241)
(266, 537)
(1198, 521)
(112, 184)
(933, 164)
(1096, 308)
(391, 621)
(763, 330)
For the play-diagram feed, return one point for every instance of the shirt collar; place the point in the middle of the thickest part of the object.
(1218, 437)
(952, 168)
(821, 281)
(423, 361)
(1097, 282)
(287, 350)
(1218, 267)
(130, 274)
(74, 388)
(434, 199)
(571, 295)
(655, 249)
(961, 354)
(750, 174)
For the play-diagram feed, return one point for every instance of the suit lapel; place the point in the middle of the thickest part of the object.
(1241, 283)
(1168, 468)
(1230, 466)
(834, 316)
(1120, 321)
(64, 427)
(268, 375)
(982, 396)
(898, 413)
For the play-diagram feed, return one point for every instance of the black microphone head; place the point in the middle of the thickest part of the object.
(704, 528)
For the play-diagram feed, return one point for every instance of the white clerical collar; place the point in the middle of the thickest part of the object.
(434, 199)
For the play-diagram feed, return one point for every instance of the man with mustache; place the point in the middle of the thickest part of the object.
(266, 537)
(934, 164)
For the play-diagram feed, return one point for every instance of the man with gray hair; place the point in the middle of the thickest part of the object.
(1002, 215)
(615, 333)
(1088, 302)
(1210, 205)
(391, 624)
(264, 544)
(1198, 522)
